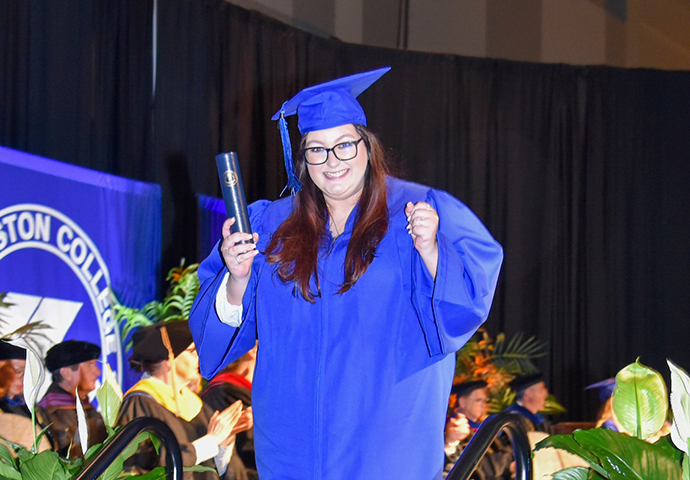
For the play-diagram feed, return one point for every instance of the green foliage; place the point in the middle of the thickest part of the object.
(497, 363)
(28, 332)
(3, 304)
(639, 400)
(575, 473)
(500, 399)
(177, 304)
(49, 465)
(29, 465)
(552, 406)
(109, 398)
(515, 356)
(157, 473)
(115, 468)
(43, 466)
(615, 455)
(8, 464)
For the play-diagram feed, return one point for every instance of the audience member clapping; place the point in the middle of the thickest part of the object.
(234, 383)
(166, 353)
(470, 411)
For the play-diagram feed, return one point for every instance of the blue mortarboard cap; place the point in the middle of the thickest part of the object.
(605, 388)
(323, 106)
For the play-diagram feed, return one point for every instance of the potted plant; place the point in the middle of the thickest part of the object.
(19, 463)
(640, 404)
(497, 363)
(183, 289)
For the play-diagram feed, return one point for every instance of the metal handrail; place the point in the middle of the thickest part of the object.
(108, 454)
(512, 424)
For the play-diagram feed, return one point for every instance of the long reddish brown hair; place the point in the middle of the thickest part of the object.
(295, 244)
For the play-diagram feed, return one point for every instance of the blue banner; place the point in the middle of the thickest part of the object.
(212, 215)
(68, 237)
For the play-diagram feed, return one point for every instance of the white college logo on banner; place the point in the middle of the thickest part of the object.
(46, 230)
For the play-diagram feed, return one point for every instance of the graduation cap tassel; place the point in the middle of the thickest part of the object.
(293, 182)
(171, 356)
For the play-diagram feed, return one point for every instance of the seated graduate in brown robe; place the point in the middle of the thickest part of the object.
(74, 365)
(165, 352)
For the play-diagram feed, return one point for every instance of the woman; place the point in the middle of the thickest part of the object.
(359, 289)
(15, 426)
(13, 400)
(605, 416)
(234, 383)
(166, 352)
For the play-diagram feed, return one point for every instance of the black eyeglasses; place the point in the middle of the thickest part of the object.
(343, 151)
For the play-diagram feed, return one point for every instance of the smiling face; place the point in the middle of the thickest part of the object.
(339, 181)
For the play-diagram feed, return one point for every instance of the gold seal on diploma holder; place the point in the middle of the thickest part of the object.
(230, 178)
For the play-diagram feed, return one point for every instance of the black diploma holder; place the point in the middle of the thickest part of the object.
(233, 192)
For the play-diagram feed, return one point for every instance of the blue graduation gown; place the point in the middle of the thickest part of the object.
(355, 386)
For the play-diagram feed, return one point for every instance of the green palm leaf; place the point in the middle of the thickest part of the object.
(152, 310)
(3, 304)
(552, 407)
(177, 304)
(499, 362)
(517, 354)
(501, 401)
(32, 332)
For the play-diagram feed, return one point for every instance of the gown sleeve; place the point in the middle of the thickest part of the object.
(218, 344)
(452, 307)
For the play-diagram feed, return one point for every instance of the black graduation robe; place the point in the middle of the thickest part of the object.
(495, 465)
(219, 397)
(17, 408)
(142, 405)
(58, 408)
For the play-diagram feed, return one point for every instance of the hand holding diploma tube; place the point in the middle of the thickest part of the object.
(233, 191)
(238, 244)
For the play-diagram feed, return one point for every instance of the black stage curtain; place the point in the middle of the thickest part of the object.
(76, 80)
(580, 172)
